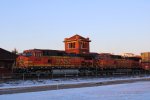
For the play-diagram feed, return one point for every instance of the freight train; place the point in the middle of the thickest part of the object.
(48, 61)
(77, 58)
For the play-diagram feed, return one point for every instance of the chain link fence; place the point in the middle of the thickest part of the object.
(87, 74)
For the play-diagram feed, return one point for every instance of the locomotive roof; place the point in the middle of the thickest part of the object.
(45, 50)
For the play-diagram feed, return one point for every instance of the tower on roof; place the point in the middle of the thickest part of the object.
(77, 44)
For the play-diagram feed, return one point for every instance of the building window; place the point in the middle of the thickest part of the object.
(83, 45)
(71, 45)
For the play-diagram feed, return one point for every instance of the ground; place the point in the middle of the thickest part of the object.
(130, 91)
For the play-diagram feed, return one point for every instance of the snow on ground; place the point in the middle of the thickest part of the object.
(43, 82)
(131, 91)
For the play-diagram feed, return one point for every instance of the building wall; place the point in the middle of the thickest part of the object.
(7, 60)
(145, 56)
(77, 44)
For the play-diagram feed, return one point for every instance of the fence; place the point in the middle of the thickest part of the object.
(88, 74)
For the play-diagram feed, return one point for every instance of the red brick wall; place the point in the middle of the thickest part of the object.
(78, 42)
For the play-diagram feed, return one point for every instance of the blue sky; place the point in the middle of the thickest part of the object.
(114, 26)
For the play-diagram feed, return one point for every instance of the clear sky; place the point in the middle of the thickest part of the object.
(114, 26)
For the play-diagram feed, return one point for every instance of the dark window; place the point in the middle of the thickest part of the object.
(49, 61)
(71, 45)
(83, 45)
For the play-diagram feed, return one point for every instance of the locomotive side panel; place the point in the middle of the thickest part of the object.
(106, 64)
(52, 61)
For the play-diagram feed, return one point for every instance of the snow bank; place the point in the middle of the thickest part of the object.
(43, 82)
(132, 91)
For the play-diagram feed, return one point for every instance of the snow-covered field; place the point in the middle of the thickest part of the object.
(43, 82)
(132, 91)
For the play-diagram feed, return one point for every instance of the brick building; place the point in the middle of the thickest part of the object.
(7, 60)
(77, 44)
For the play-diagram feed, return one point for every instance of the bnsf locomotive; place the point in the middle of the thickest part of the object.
(75, 57)
(37, 60)
(48, 60)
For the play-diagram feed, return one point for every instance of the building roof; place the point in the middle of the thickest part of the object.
(77, 37)
(6, 55)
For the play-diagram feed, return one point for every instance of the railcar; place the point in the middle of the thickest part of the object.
(145, 62)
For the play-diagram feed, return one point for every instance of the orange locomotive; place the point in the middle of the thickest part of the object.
(36, 59)
(117, 62)
(48, 60)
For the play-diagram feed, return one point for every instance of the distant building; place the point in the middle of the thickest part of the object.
(77, 44)
(128, 55)
(145, 57)
(7, 60)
